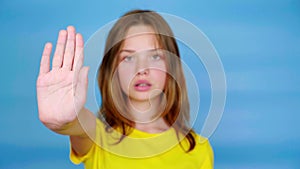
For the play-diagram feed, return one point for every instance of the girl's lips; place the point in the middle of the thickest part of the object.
(142, 85)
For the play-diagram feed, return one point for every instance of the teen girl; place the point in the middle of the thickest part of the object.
(143, 118)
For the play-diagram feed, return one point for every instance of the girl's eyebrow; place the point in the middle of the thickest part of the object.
(127, 50)
(132, 51)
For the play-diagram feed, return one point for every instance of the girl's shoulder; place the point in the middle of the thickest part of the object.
(202, 141)
(202, 145)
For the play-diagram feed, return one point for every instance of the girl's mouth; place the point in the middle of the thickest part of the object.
(142, 85)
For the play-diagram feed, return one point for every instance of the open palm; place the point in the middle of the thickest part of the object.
(61, 91)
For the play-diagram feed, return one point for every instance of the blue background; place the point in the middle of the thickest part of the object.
(258, 43)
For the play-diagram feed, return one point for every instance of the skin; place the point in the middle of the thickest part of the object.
(62, 90)
(54, 90)
(141, 60)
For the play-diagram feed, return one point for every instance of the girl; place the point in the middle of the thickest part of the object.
(143, 119)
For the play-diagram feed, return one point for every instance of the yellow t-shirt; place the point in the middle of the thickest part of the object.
(141, 150)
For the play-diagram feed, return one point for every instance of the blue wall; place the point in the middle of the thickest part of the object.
(258, 43)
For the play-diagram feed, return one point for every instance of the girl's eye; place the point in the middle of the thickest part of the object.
(128, 58)
(156, 57)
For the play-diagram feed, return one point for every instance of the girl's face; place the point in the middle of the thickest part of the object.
(142, 67)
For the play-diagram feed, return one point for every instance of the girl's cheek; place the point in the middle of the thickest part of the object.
(127, 74)
(158, 66)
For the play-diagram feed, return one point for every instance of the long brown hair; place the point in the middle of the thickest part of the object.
(177, 111)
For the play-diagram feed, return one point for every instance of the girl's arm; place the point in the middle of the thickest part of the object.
(86, 124)
(61, 90)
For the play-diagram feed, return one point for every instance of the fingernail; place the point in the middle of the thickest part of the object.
(71, 28)
(63, 32)
(48, 45)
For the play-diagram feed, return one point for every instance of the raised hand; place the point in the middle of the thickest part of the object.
(61, 91)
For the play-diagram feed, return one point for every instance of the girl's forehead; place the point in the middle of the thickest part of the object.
(140, 37)
(139, 29)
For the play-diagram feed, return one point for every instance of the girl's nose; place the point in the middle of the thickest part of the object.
(144, 71)
(142, 65)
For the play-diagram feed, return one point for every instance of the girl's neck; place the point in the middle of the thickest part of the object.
(147, 115)
(157, 126)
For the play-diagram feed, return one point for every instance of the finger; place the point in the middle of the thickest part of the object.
(70, 48)
(78, 60)
(45, 61)
(59, 51)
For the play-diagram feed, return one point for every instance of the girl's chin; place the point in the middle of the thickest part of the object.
(144, 97)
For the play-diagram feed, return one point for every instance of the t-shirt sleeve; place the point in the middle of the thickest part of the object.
(76, 159)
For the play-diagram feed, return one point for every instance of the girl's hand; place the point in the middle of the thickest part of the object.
(61, 91)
